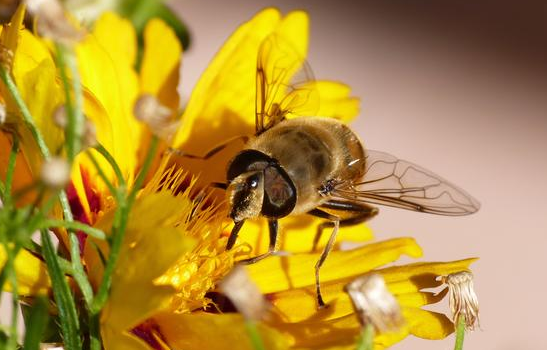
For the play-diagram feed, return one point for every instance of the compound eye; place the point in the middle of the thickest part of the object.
(253, 181)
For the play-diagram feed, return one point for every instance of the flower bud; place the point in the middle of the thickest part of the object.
(51, 21)
(462, 299)
(55, 173)
(374, 304)
(51, 346)
(59, 117)
(6, 57)
(3, 113)
(156, 116)
(244, 294)
(89, 138)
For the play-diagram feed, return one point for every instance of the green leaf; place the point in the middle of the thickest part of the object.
(141, 11)
(36, 324)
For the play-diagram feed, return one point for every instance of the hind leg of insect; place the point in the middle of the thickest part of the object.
(350, 214)
(211, 152)
(273, 230)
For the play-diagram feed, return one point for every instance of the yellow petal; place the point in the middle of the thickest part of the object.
(117, 37)
(405, 282)
(280, 273)
(22, 176)
(35, 75)
(11, 31)
(222, 103)
(427, 324)
(209, 331)
(342, 332)
(159, 74)
(135, 296)
(114, 340)
(319, 334)
(336, 101)
(296, 234)
(83, 167)
(32, 276)
(414, 277)
(113, 83)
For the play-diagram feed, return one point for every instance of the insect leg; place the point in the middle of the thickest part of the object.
(274, 227)
(211, 152)
(321, 260)
(233, 234)
(350, 213)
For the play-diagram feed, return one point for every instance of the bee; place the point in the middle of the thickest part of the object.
(318, 166)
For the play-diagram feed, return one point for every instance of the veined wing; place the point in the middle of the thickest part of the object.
(284, 84)
(398, 183)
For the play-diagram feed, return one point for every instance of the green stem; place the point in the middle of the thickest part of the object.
(104, 152)
(75, 226)
(9, 172)
(74, 246)
(460, 333)
(95, 333)
(366, 340)
(254, 335)
(27, 117)
(144, 170)
(10, 270)
(118, 230)
(68, 316)
(73, 101)
(118, 233)
(79, 275)
(102, 175)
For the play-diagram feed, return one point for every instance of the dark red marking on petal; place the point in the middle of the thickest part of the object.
(149, 331)
(77, 208)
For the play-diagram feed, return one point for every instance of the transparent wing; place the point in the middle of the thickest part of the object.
(284, 84)
(398, 183)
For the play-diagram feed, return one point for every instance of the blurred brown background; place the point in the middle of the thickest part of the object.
(459, 87)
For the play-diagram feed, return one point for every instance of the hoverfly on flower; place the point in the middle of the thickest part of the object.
(300, 163)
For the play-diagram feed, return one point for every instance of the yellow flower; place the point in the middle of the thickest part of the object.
(164, 294)
(106, 60)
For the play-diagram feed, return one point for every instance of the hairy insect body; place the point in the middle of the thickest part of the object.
(313, 152)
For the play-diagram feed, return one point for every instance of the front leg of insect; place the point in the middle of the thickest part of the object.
(273, 229)
(338, 213)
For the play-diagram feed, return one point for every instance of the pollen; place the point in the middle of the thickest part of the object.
(197, 273)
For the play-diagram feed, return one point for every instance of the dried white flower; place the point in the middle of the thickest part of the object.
(244, 294)
(374, 304)
(462, 299)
